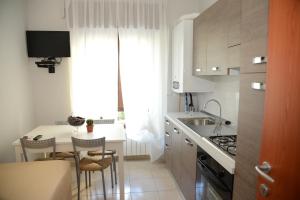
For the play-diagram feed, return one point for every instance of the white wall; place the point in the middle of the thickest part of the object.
(227, 92)
(51, 92)
(16, 117)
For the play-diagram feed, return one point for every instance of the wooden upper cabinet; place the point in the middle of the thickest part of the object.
(234, 33)
(199, 45)
(217, 38)
(254, 34)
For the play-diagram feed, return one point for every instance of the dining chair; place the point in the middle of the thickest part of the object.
(111, 153)
(67, 154)
(88, 164)
(35, 146)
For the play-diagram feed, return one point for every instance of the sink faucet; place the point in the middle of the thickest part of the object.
(218, 127)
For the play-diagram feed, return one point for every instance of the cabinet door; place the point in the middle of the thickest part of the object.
(234, 23)
(217, 39)
(250, 121)
(168, 156)
(234, 33)
(199, 45)
(254, 35)
(188, 160)
(176, 151)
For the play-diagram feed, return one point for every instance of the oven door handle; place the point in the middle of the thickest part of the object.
(205, 171)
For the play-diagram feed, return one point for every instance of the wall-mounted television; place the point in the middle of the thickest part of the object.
(48, 43)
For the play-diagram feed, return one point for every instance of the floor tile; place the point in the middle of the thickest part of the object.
(142, 185)
(170, 195)
(145, 196)
(165, 184)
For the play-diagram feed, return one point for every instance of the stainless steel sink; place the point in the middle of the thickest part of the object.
(199, 121)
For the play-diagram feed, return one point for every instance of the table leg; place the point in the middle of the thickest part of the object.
(121, 171)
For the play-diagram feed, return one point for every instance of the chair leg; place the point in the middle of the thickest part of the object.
(85, 173)
(103, 183)
(90, 182)
(78, 187)
(111, 176)
(115, 168)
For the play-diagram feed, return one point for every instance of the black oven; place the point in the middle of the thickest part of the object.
(213, 182)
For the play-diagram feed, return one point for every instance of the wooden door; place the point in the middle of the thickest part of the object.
(281, 133)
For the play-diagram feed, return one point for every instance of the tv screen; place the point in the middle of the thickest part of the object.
(48, 43)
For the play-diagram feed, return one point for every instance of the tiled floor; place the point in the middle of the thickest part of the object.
(143, 181)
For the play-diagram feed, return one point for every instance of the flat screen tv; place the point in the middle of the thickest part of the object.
(48, 43)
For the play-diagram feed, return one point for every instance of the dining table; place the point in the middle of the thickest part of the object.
(114, 134)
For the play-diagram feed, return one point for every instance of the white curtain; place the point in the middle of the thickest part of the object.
(141, 25)
(94, 72)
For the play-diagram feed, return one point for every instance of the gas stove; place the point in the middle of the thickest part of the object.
(226, 142)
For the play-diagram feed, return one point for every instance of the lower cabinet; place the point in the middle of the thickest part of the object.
(176, 151)
(188, 171)
(180, 157)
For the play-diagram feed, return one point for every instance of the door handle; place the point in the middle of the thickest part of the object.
(263, 171)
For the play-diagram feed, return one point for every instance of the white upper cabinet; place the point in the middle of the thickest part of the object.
(182, 61)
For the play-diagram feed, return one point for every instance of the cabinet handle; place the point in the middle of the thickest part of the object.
(188, 142)
(198, 70)
(167, 123)
(175, 130)
(215, 68)
(167, 134)
(258, 86)
(259, 60)
(167, 146)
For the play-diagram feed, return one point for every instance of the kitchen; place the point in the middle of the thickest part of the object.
(224, 68)
(194, 99)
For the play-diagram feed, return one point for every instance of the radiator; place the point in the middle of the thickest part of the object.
(134, 148)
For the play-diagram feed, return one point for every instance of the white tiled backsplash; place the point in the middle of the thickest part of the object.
(226, 91)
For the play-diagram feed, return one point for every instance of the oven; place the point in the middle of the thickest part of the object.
(213, 181)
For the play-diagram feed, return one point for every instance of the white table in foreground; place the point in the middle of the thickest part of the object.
(113, 133)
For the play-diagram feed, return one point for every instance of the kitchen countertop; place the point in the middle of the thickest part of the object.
(202, 140)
